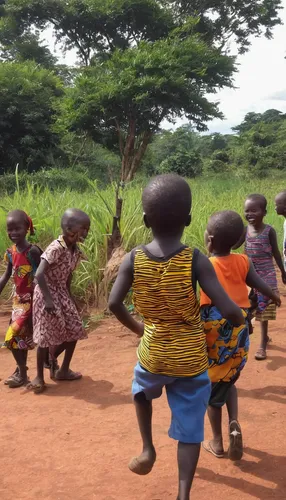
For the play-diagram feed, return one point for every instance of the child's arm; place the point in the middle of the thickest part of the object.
(253, 280)
(6, 276)
(208, 281)
(118, 293)
(276, 253)
(40, 276)
(240, 241)
(36, 255)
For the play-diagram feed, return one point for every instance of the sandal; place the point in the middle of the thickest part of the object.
(235, 451)
(208, 447)
(16, 372)
(70, 376)
(17, 381)
(260, 354)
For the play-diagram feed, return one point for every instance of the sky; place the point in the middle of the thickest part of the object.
(260, 82)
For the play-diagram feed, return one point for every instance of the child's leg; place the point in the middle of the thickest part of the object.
(143, 464)
(17, 371)
(65, 373)
(261, 352)
(38, 384)
(235, 450)
(188, 456)
(216, 444)
(20, 378)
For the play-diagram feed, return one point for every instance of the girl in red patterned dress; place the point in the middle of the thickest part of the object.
(22, 261)
(57, 323)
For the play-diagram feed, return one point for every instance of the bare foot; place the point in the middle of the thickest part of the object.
(69, 375)
(143, 464)
(37, 386)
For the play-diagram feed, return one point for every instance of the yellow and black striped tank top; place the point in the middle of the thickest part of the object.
(174, 342)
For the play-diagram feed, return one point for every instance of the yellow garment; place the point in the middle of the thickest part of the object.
(174, 342)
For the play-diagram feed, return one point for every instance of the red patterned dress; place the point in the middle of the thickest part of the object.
(65, 324)
(20, 332)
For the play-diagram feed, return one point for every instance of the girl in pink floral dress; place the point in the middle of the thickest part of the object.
(57, 323)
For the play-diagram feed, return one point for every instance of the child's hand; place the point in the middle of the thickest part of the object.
(49, 306)
(276, 299)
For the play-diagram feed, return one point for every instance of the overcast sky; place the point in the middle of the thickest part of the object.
(260, 80)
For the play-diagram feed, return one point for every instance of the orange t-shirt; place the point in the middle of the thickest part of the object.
(231, 272)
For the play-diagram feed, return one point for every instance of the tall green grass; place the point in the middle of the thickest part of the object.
(46, 208)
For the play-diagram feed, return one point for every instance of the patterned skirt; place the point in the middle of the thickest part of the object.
(20, 332)
(268, 314)
(227, 345)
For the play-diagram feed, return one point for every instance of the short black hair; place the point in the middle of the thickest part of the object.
(167, 202)
(282, 196)
(20, 216)
(259, 199)
(226, 227)
(73, 217)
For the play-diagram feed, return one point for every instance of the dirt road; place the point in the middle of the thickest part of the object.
(74, 441)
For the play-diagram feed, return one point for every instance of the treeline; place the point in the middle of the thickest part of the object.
(256, 147)
(139, 62)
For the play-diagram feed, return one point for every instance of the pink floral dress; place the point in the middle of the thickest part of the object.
(65, 324)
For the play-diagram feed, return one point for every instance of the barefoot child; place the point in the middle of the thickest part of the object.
(57, 324)
(261, 246)
(228, 345)
(280, 207)
(22, 261)
(172, 352)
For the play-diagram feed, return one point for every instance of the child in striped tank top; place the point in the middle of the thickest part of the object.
(262, 248)
(280, 207)
(172, 352)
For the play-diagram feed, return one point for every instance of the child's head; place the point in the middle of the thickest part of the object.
(75, 225)
(18, 225)
(255, 209)
(224, 229)
(167, 202)
(280, 203)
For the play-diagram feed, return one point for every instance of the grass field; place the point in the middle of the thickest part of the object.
(46, 208)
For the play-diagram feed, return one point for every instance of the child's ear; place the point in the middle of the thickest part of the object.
(189, 220)
(145, 219)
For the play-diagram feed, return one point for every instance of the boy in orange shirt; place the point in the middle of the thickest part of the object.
(228, 346)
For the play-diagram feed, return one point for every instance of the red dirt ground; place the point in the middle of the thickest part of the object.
(74, 441)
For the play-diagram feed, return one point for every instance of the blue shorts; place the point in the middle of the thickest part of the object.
(188, 399)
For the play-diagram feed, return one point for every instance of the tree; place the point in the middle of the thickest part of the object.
(27, 115)
(122, 101)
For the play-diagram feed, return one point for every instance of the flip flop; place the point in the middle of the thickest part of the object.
(141, 467)
(208, 447)
(235, 451)
(260, 354)
(36, 388)
(71, 376)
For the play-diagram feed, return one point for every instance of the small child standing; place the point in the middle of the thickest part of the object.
(261, 246)
(280, 207)
(22, 261)
(172, 352)
(228, 345)
(57, 324)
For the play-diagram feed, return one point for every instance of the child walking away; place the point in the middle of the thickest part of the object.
(22, 261)
(57, 324)
(261, 246)
(172, 352)
(228, 345)
(280, 207)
